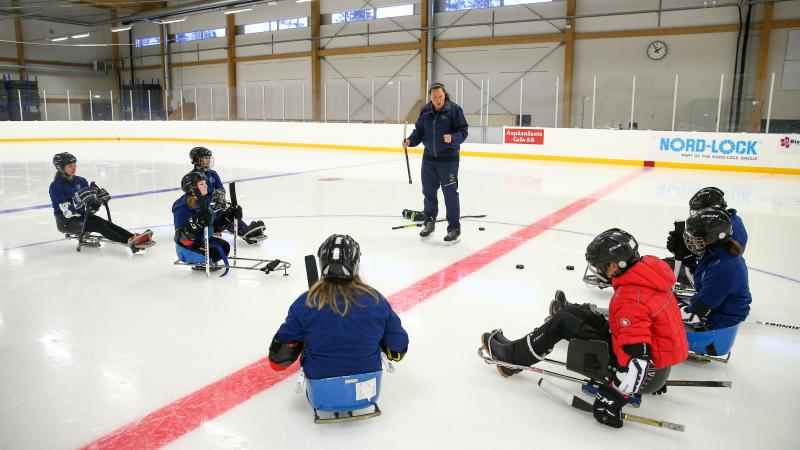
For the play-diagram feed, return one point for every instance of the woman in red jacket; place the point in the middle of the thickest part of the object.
(644, 327)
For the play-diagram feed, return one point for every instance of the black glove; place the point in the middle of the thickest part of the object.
(200, 220)
(87, 195)
(608, 405)
(675, 242)
(393, 355)
(234, 212)
(103, 195)
(218, 199)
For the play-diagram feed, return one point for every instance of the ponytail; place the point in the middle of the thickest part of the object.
(734, 247)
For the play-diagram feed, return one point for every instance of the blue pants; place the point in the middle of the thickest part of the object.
(444, 174)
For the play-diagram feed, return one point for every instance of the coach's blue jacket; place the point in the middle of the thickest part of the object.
(431, 127)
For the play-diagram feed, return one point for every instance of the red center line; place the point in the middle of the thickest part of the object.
(167, 424)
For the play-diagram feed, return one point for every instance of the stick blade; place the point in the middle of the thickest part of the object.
(311, 270)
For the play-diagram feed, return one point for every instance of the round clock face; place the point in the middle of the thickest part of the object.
(656, 50)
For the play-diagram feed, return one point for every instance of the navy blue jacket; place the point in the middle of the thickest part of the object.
(61, 192)
(721, 283)
(181, 213)
(431, 127)
(338, 346)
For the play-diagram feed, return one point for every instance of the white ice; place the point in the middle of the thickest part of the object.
(92, 341)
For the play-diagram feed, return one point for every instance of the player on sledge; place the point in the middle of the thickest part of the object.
(643, 333)
(191, 219)
(75, 203)
(340, 326)
(203, 161)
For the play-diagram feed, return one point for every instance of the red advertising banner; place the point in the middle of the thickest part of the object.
(523, 136)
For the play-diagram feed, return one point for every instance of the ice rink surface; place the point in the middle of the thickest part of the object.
(97, 341)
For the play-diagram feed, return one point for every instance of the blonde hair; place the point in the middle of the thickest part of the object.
(191, 201)
(324, 293)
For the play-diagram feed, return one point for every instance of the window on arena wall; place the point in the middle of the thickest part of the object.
(394, 11)
(458, 5)
(148, 41)
(261, 27)
(355, 15)
(200, 35)
(524, 2)
(297, 22)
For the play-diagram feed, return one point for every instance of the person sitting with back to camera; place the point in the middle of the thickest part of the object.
(341, 324)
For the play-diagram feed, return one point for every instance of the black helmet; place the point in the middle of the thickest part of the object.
(708, 197)
(707, 227)
(190, 180)
(60, 160)
(612, 245)
(201, 152)
(339, 256)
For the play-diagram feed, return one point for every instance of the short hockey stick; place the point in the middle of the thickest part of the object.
(234, 203)
(83, 225)
(204, 208)
(411, 225)
(686, 383)
(582, 405)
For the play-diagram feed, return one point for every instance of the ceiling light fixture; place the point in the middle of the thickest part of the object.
(302, 1)
(59, 39)
(272, 3)
(80, 36)
(236, 11)
(117, 30)
(167, 22)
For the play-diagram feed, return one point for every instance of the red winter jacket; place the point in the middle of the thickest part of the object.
(643, 309)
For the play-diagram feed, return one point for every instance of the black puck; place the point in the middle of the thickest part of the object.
(520, 266)
(481, 228)
(570, 267)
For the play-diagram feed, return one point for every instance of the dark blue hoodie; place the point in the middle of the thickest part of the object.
(431, 127)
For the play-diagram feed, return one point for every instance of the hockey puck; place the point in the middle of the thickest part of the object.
(481, 228)
(520, 266)
(570, 267)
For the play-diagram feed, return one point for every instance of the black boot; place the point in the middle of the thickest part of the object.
(558, 303)
(499, 347)
(452, 237)
(427, 230)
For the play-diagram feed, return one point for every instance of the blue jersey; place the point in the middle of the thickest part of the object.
(720, 280)
(431, 127)
(339, 346)
(61, 192)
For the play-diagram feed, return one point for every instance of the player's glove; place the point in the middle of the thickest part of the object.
(696, 315)
(218, 201)
(200, 220)
(83, 197)
(607, 408)
(393, 355)
(675, 242)
(103, 195)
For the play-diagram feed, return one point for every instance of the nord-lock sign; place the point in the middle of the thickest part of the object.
(523, 135)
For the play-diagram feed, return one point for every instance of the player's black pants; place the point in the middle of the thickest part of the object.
(94, 224)
(215, 245)
(573, 322)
